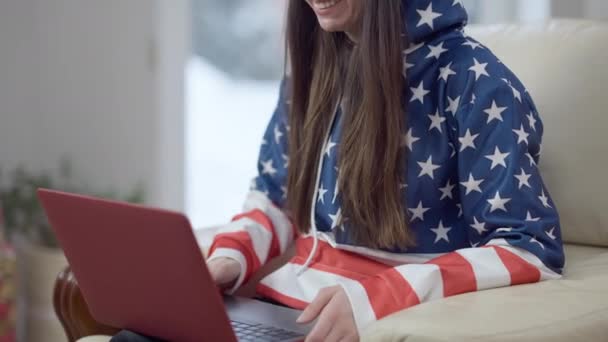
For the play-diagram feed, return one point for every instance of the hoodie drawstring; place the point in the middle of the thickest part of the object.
(313, 225)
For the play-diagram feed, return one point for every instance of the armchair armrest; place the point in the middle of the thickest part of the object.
(72, 310)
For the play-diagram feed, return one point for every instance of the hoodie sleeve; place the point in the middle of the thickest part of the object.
(263, 231)
(511, 221)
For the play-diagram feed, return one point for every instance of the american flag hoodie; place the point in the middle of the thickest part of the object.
(477, 206)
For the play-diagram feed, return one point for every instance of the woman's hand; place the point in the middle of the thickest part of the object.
(224, 271)
(336, 321)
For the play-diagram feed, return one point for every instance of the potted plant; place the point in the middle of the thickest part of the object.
(39, 258)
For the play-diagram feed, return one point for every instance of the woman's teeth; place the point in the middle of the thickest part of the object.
(326, 4)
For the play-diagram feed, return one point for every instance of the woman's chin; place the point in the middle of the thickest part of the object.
(332, 25)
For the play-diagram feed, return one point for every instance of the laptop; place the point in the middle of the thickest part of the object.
(141, 269)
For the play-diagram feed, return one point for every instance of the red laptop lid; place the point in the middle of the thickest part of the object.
(138, 268)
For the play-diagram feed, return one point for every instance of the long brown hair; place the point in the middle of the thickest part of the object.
(323, 67)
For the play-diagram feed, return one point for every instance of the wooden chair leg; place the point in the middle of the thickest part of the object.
(72, 310)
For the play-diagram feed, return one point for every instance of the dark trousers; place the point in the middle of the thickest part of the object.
(129, 336)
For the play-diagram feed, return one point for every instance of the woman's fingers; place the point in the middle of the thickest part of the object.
(337, 334)
(335, 320)
(314, 309)
(324, 326)
(224, 271)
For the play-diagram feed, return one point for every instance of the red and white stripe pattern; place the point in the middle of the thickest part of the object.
(376, 290)
(254, 237)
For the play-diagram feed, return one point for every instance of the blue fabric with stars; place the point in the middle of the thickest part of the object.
(473, 143)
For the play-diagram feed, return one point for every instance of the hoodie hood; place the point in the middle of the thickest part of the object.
(424, 19)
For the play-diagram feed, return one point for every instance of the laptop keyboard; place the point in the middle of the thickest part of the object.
(258, 332)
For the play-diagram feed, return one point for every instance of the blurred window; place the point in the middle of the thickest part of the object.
(232, 87)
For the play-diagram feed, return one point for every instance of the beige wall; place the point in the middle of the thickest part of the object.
(597, 9)
(592, 9)
(497, 11)
(95, 81)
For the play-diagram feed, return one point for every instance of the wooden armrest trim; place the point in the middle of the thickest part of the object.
(72, 310)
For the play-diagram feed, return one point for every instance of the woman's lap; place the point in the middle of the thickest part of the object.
(129, 336)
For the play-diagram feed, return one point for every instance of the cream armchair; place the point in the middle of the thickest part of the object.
(564, 64)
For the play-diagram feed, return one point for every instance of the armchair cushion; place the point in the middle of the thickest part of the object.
(95, 338)
(571, 309)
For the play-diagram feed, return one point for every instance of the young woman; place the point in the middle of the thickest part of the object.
(401, 160)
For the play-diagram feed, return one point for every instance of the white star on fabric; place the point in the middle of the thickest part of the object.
(446, 72)
(498, 203)
(532, 121)
(522, 136)
(335, 218)
(524, 179)
(418, 212)
(436, 121)
(413, 47)
(529, 217)
(495, 112)
(284, 191)
(467, 141)
(428, 168)
(507, 230)
(453, 105)
(480, 227)
(544, 199)
(551, 234)
(516, 93)
(264, 142)
(473, 99)
(441, 232)
(428, 16)
(419, 93)
(459, 206)
(406, 65)
(533, 240)
(479, 69)
(336, 193)
(286, 160)
(446, 191)
(277, 134)
(457, 2)
(532, 161)
(322, 192)
(436, 51)
(498, 158)
(472, 184)
(267, 168)
(472, 44)
(474, 244)
(409, 139)
(330, 145)
(336, 188)
(453, 150)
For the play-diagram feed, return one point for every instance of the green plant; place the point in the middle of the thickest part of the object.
(22, 211)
